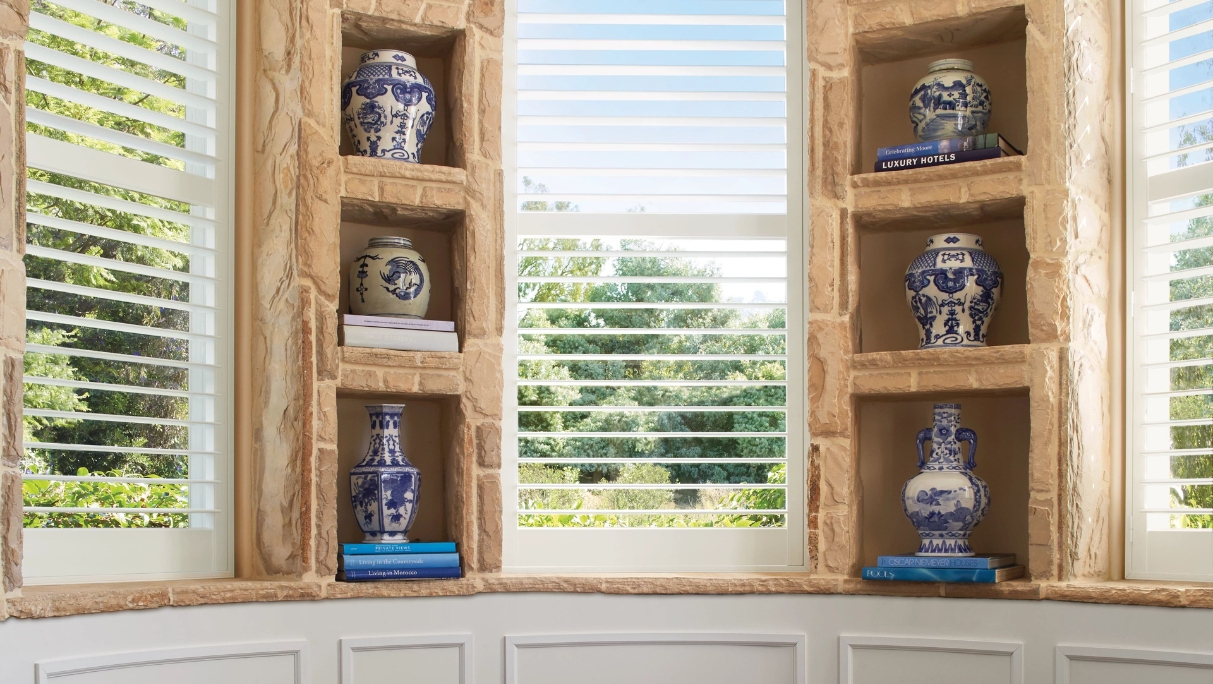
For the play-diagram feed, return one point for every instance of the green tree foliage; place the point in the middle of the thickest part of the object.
(533, 340)
(78, 368)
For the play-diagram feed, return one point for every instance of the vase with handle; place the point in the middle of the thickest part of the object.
(945, 500)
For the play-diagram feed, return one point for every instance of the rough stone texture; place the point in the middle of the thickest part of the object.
(488, 523)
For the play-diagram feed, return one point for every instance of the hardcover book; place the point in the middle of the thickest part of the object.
(394, 322)
(984, 561)
(405, 573)
(399, 338)
(959, 575)
(396, 561)
(929, 147)
(938, 159)
(407, 547)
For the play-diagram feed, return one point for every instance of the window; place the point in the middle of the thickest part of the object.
(128, 330)
(655, 380)
(1170, 218)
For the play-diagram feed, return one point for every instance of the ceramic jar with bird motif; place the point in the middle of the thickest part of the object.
(389, 278)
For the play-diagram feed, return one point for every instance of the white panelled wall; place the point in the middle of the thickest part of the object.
(592, 639)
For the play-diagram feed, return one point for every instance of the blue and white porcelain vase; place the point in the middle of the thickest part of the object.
(953, 289)
(384, 486)
(950, 101)
(388, 106)
(945, 500)
(389, 278)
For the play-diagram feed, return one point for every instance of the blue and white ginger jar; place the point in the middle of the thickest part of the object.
(389, 278)
(384, 486)
(953, 289)
(950, 101)
(945, 500)
(388, 106)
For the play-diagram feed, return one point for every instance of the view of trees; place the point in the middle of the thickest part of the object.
(572, 257)
(99, 370)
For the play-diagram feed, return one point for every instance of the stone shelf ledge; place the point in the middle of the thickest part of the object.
(383, 191)
(421, 27)
(982, 190)
(372, 380)
(391, 359)
(942, 370)
(62, 600)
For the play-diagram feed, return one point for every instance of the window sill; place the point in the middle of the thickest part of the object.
(63, 600)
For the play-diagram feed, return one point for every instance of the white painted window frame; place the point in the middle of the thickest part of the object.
(83, 555)
(562, 550)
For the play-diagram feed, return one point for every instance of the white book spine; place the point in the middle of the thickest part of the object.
(398, 323)
(404, 340)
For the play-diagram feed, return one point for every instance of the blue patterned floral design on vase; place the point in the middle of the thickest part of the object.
(389, 278)
(953, 289)
(388, 106)
(950, 101)
(384, 486)
(945, 500)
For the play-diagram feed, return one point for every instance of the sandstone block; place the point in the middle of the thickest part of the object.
(319, 216)
(441, 14)
(988, 377)
(983, 189)
(870, 199)
(14, 18)
(326, 511)
(881, 383)
(826, 21)
(837, 473)
(488, 519)
(327, 365)
(400, 192)
(829, 369)
(942, 193)
(440, 383)
(488, 15)
(837, 137)
(326, 414)
(488, 445)
(869, 18)
(11, 402)
(1040, 526)
(442, 196)
(408, 10)
(1048, 301)
(360, 378)
(10, 528)
(1048, 226)
(941, 380)
(823, 257)
(401, 381)
(12, 298)
(933, 10)
(838, 533)
(488, 109)
(365, 6)
(482, 371)
(361, 188)
(1042, 562)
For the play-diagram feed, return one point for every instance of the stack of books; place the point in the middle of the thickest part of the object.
(979, 569)
(406, 334)
(412, 560)
(939, 152)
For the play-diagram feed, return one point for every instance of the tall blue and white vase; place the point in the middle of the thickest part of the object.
(953, 289)
(950, 101)
(387, 106)
(384, 486)
(945, 500)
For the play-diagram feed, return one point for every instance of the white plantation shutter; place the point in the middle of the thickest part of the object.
(655, 383)
(1170, 491)
(128, 354)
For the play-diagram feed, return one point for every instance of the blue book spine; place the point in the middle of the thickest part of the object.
(412, 573)
(399, 561)
(970, 562)
(411, 547)
(938, 159)
(922, 149)
(981, 576)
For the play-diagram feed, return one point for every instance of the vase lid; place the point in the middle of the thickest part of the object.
(388, 56)
(384, 408)
(390, 241)
(946, 64)
(954, 240)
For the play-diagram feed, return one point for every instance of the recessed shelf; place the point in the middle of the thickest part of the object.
(425, 436)
(893, 59)
(887, 458)
(388, 192)
(438, 51)
(923, 371)
(888, 244)
(390, 359)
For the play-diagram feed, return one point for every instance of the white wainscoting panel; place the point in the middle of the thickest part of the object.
(1090, 665)
(281, 662)
(429, 659)
(711, 658)
(880, 660)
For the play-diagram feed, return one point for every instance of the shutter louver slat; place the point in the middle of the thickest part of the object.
(128, 232)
